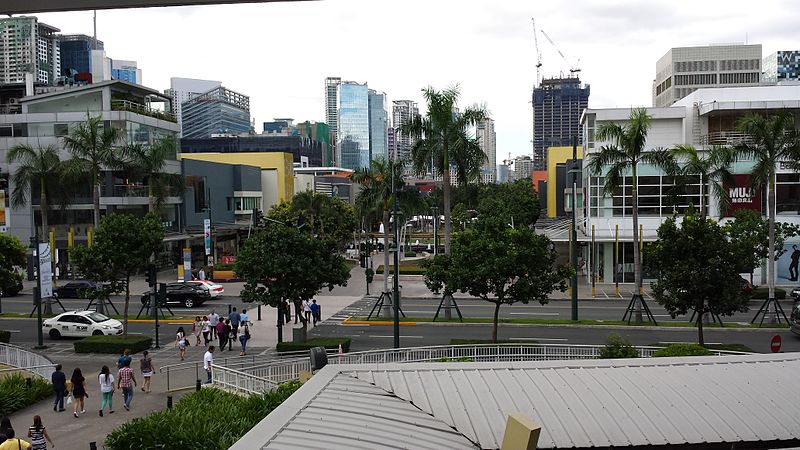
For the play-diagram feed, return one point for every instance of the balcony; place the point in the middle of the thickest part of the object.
(127, 105)
(724, 138)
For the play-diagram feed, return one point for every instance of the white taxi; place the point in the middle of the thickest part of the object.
(81, 324)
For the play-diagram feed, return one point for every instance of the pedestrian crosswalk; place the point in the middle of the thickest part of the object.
(357, 308)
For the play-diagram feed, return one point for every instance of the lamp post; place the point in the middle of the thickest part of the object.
(395, 281)
(37, 292)
(574, 229)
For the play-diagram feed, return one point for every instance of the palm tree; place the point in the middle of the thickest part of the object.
(769, 141)
(40, 167)
(147, 163)
(91, 147)
(623, 156)
(713, 167)
(314, 205)
(442, 142)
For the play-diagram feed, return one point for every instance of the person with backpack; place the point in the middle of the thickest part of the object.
(126, 356)
(243, 338)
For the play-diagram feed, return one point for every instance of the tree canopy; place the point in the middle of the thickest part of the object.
(509, 203)
(13, 254)
(324, 216)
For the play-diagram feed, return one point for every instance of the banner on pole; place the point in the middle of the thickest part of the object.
(45, 271)
(207, 235)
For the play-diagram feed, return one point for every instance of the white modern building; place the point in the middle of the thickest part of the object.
(704, 118)
(28, 46)
(523, 167)
(402, 112)
(683, 70)
(332, 112)
(487, 139)
(184, 89)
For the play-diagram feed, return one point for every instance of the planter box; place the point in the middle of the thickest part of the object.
(224, 276)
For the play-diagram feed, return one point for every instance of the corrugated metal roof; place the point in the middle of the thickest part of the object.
(579, 404)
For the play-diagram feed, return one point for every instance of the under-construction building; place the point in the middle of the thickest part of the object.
(28, 46)
(557, 107)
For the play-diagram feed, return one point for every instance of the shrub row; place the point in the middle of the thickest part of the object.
(761, 293)
(5, 336)
(682, 350)
(210, 418)
(405, 269)
(112, 344)
(327, 342)
(15, 394)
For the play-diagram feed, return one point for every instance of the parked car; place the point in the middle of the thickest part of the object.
(81, 323)
(186, 294)
(215, 289)
(794, 319)
(796, 293)
(77, 289)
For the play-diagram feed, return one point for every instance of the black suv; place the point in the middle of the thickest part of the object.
(77, 289)
(186, 294)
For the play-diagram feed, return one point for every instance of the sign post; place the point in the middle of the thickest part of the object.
(187, 264)
(775, 344)
(207, 236)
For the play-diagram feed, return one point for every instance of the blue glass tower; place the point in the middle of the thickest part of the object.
(378, 124)
(353, 135)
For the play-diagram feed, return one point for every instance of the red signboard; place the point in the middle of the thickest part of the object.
(741, 195)
(775, 345)
(227, 259)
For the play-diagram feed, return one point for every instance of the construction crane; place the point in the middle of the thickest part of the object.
(538, 54)
(573, 68)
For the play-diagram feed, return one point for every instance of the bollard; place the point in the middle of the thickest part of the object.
(259, 312)
(92, 445)
(197, 385)
(230, 309)
(169, 402)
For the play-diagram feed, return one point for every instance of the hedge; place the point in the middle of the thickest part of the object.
(327, 342)
(682, 350)
(15, 394)
(761, 293)
(112, 344)
(5, 336)
(617, 346)
(210, 418)
(405, 269)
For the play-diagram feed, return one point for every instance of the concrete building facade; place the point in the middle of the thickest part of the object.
(332, 112)
(218, 111)
(487, 139)
(28, 46)
(402, 112)
(182, 90)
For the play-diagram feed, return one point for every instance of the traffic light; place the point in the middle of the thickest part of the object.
(150, 275)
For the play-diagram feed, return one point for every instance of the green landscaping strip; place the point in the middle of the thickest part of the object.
(570, 322)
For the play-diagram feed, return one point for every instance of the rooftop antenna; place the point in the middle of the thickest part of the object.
(94, 38)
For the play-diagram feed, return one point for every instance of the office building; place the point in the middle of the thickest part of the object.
(184, 89)
(218, 111)
(557, 107)
(523, 167)
(353, 125)
(402, 112)
(319, 132)
(683, 70)
(302, 148)
(487, 139)
(378, 124)
(76, 53)
(28, 46)
(126, 71)
(332, 110)
(283, 127)
(502, 173)
(781, 66)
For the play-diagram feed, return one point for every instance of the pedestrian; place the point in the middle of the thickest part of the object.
(106, 390)
(287, 309)
(13, 443)
(208, 359)
(38, 433)
(225, 336)
(243, 318)
(126, 356)
(201, 274)
(126, 381)
(197, 327)
(79, 393)
(180, 342)
(218, 330)
(59, 380)
(5, 424)
(243, 338)
(146, 364)
(213, 320)
(298, 310)
(235, 318)
(315, 311)
(206, 330)
(307, 311)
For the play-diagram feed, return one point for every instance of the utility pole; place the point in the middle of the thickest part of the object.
(396, 281)
(574, 229)
(37, 293)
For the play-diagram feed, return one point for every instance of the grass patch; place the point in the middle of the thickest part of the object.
(459, 359)
(405, 269)
(730, 347)
(210, 418)
(762, 292)
(327, 342)
(675, 324)
(112, 344)
(16, 395)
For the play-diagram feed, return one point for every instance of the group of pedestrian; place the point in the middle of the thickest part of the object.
(304, 311)
(36, 432)
(202, 326)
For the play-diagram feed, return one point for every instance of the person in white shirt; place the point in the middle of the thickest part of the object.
(213, 320)
(201, 274)
(307, 310)
(106, 390)
(208, 359)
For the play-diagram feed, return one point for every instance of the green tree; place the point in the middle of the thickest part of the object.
(460, 216)
(281, 263)
(92, 149)
(123, 245)
(13, 254)
(770, 140)
(500, 265)
(713, 168)
(749, 233)
(443, 142)
(39, 168)
(509, 203)
(326, 216)
(697, 269)
(621, 159)
(148, 164)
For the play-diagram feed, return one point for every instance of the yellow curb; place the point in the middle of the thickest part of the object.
(185, 321)
(374, 322)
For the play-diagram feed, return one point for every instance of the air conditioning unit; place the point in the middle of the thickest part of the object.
(13, 101)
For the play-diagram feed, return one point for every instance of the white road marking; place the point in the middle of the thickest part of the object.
(401, 336)
(14, 331)
(535, 313)
(679, 342)
(539, 339)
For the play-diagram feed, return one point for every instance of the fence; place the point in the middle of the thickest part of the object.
(185, 375)
(20, 359)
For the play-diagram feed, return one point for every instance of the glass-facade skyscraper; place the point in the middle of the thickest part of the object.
(378, 123)
(354, 127)
(76, 53)
(782, 66)
(218, 111)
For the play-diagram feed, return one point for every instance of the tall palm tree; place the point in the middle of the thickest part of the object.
(443, 141)
(92, 149)
(147, 163)
(713, 167)
(314, 205)
(770, 140)
(39, 167)
(622, 157)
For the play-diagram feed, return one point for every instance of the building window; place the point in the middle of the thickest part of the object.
(60, 129)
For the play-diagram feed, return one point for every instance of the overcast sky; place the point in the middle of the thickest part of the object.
(280, 53)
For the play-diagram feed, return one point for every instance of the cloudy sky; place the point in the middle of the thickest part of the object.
(280, 53)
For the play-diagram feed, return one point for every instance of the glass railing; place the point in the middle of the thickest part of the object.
(126, 105)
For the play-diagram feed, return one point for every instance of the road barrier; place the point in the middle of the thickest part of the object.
(20, 359)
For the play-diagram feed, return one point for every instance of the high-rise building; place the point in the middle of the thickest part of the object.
(184, 89)
(218, 111)
(487, 139)
(781, 66)
(320, 132)
(683, 70)
(332, 109)
(378, 124)
(502, 173)
(402, 112)
(126, 71)
(76, 53)
(353, 125)
(391, 139)
(557, 107)
(28, 46)
(523, 167)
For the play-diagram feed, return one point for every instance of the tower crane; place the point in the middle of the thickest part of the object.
(538, 54)
(573, 68)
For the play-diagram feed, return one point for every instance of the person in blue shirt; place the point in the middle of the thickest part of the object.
(235, 318)
(125, 357)
(315, 312)
(59, 379)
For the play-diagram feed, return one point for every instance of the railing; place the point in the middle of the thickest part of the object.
(125, 190)
(240, 382)
(184, 375)
(20, 359)
(728, 138)
(126, 105)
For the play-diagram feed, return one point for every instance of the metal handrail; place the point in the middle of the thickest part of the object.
(239, 382)
(170, 370)
(20, 359)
